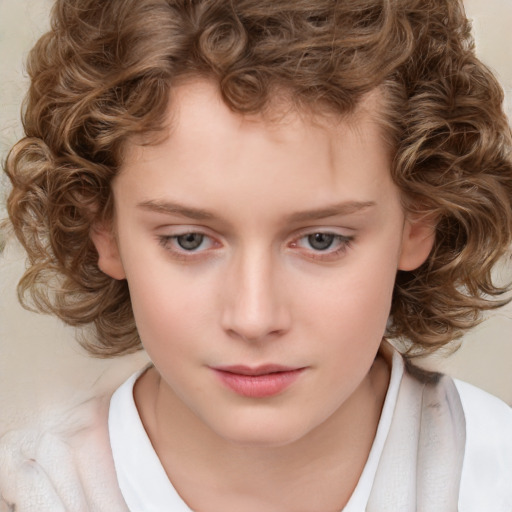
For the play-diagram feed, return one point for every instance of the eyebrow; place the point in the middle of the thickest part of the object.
(339, 209)
(171, 208)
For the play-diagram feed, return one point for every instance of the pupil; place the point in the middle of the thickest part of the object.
(190, 241)
(321, 241)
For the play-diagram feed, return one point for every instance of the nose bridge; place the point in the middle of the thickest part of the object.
(255, 307)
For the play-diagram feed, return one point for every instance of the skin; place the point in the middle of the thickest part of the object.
(258, 291)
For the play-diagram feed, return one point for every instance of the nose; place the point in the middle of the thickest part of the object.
(255, 306)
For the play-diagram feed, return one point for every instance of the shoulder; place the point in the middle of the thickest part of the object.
(61, 463)
(486, 482)
(476, 401)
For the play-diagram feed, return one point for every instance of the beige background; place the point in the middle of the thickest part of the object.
(42, 365)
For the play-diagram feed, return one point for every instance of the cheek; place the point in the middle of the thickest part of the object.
(359, 292)
(156, 304)
(170, 306)
(351, 310)
(174, 325)
(165, 326)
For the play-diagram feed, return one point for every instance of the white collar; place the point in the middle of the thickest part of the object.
(142, 478)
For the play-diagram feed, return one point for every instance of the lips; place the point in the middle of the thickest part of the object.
(258, 382)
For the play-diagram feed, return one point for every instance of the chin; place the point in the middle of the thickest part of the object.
(262, 434)
(262, 440)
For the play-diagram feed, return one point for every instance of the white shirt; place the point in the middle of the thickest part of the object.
(486, 482)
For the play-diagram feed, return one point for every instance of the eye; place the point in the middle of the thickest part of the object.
(321, 241)
(322, 245)
(184, 244)
(190, 241)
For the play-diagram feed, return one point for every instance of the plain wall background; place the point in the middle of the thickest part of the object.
(40, 362)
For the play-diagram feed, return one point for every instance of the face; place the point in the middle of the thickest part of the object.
(261, 257)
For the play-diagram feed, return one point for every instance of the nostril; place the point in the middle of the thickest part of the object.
(254, 337)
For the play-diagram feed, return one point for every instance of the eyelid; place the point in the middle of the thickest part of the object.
(172, 233)
(347, 234)
(175, 230)
(337, 236)
(329, 254)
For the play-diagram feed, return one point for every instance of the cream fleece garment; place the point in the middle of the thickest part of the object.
(67, 464)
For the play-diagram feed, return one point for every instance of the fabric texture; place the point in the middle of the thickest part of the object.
(431, 438)
(421, 464)
(64, 464)
(145, 485)
(443, 445)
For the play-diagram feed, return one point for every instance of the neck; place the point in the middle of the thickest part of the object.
(319, 471)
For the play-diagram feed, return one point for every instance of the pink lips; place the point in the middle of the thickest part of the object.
(259, 382)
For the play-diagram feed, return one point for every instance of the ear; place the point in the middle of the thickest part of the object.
(417, 242)
(109, 259)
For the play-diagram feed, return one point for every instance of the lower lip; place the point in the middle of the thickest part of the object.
(259, 386)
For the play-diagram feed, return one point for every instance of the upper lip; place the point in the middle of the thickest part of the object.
(256, 370)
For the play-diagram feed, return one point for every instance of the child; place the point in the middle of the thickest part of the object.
(261, 194)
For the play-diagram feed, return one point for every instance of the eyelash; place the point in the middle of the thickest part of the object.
(343, 242)
(168, 242)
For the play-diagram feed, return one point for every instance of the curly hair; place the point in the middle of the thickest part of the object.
(104, 73)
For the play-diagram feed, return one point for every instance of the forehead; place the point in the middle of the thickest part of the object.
(194, 96)
(216, 156)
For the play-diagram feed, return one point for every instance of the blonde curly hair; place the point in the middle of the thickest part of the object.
(104, 71)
